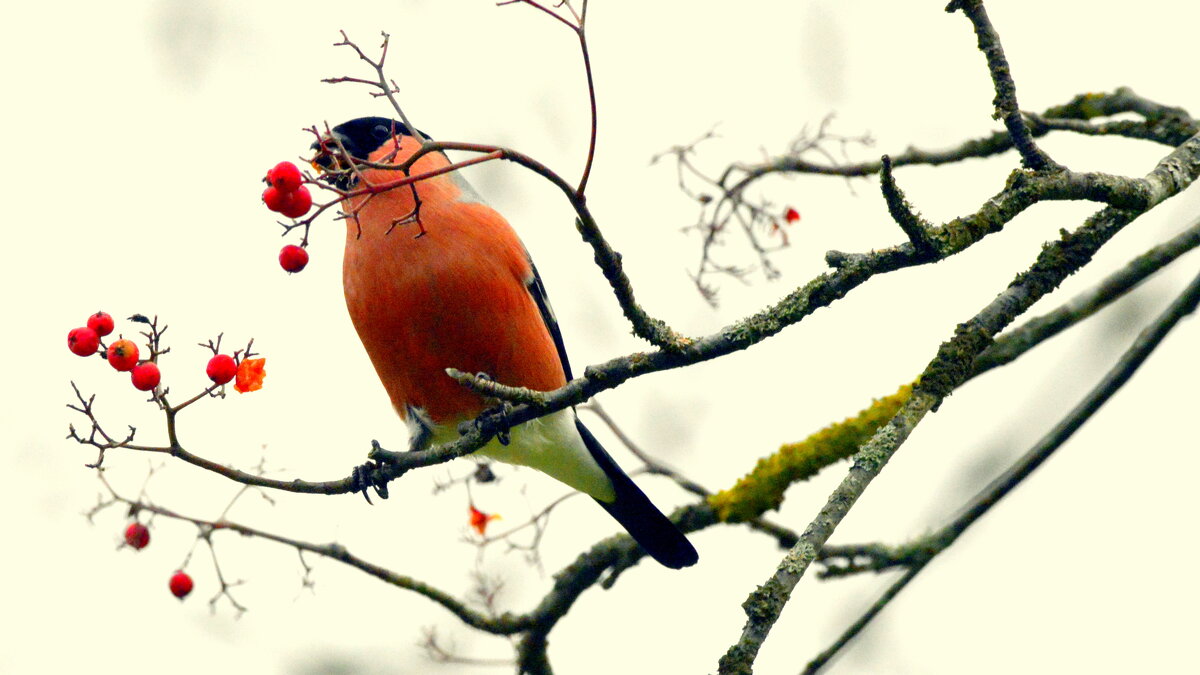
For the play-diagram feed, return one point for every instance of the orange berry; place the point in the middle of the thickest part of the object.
(123, 355)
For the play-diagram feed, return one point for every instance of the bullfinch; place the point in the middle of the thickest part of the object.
(444, 282)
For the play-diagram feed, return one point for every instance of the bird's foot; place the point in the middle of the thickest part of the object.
(501, 410)
(497, 418)
(365, 477)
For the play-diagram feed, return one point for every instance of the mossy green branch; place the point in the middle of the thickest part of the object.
(762, 489)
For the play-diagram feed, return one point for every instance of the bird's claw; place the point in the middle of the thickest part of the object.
(501, 411)
(363, 478)
(506, 427)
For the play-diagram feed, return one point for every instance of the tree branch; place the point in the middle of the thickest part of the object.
(950, 368)
(1164, 124)
(1007, 109)
(929, 547)
(1017, 341)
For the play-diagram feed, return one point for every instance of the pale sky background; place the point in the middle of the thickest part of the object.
(138, 131)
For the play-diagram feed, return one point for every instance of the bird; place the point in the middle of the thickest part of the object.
(443, 281)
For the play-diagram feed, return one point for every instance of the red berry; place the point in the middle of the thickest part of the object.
(791, 215)
(274, 199)
(83, 341)
(101, 322)
(296, 204)
(293, 258)
(137, 535)
(285, 177)
(145, 376)
(181, 584)
(123, 355)
(221, 368)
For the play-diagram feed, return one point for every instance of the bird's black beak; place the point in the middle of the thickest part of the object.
(324, 151)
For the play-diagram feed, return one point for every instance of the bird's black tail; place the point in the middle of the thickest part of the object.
(657, 535)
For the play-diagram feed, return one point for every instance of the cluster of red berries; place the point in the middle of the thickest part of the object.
(137, 537)
(122, 355)
(285, 192)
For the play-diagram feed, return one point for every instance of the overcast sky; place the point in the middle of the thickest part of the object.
(138, 132)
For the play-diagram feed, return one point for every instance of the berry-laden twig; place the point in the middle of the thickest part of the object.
(137, 537)
(208, 529)
(724, 204)
(124, 356)
(653, 330)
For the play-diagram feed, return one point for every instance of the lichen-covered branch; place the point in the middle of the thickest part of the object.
(1162, 124)
(763, 488)
(950, 368)
(1017, 341)
(1007, 109)
(915, 227)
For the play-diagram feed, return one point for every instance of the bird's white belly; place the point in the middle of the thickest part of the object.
(550, 444)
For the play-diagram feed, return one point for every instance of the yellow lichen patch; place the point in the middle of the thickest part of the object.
(762, 489)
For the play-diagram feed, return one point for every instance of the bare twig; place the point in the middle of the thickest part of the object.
(386, 87)
(1007, 109)
(912, 224)
(578, 25)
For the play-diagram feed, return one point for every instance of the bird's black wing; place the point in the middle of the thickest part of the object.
(648, 526)
(538, 290)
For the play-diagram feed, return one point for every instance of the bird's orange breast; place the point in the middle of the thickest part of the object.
(453, 297)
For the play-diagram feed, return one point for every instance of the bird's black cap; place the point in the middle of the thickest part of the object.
(365, 135)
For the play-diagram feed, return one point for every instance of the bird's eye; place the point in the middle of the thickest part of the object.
(381, 132)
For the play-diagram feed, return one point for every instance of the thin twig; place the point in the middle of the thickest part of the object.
(912, 224)
(579, 28)
(1007, 108)
(861, 622)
